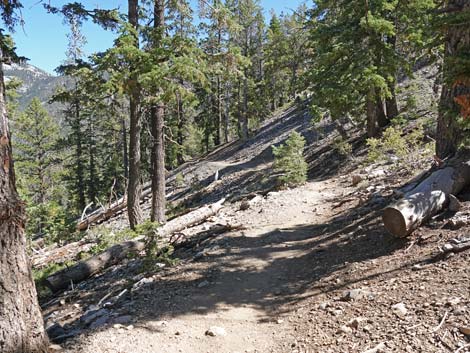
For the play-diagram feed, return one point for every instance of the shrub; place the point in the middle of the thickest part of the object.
(343, 147)
(289, 160)
(401, 149)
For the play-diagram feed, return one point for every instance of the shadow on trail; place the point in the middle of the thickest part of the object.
(268, 272)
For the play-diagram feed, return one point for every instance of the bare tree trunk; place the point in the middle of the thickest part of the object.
(382, 119)
(180, 135)
(227, 115)
(158, 166)
(391, 103)
(449, 133)
(125, 157)
(157, 213)
(21, 323)
(371, 106)
(78, 154)
(134, 188)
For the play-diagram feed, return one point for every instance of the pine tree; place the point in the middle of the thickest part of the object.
(36, 142)
(356, 60)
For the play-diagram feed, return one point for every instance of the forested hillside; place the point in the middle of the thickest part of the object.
(228, 178)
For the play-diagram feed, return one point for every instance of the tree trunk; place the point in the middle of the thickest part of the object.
(83, 270)
(457, 83)
(382, 119)
(125, 157)
(157, 213)
(429, 197)
(180, 135)
(134, 188)
(158, 166)
(78, 154)
(391, 103)
(227, 115)
(244, 122)
(371, 106)
(21, 323)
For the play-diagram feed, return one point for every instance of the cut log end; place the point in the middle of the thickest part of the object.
(394, 222)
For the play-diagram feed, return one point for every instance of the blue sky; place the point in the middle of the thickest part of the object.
(43, 38)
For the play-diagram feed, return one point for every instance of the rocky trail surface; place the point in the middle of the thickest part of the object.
(309, 269)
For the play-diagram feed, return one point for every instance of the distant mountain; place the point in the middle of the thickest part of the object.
(36, 83)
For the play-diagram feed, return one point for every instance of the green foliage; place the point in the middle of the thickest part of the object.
(40, 275)
(401, 149)
(357, 52)
(342, 146)
(289, 160)
(179, 180)
(107, 237)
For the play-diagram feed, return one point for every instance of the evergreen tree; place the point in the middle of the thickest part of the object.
(36, 142)
(355, 64)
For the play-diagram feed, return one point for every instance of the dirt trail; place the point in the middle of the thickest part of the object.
(241, 283)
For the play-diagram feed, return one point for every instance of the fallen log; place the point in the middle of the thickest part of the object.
(84, 269)
(428, 197)
(68, 252)
(100, 214)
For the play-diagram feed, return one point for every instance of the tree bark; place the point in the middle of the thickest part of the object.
(134, 188)
(382, 118)
(158, 166)
(180, 135)
(21, 323)
(371, 106)
(449, 132)
(78, 154)
(84, 269)
(391, 103)
(429, 197)
(157, 213)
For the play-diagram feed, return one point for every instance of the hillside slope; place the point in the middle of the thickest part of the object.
(308, 269)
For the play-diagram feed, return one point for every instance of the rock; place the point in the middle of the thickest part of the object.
(244, 205)
(199, 255)
(377, 173)
(55, 348)
(354, 323)
(279, 321)
(203, 284)
(465, 330)
(460, 310)
(123, 320)
(400, 309)
(142, 283)
(101, 321)
(379, 348)
(355, 294)
(216, 331)
(92, 315)
(345, 329)
(55, 330)
(356, 179)
(454, 203)
(324, 305)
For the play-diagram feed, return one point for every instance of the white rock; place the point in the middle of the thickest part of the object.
(400, 309)
(216, 331)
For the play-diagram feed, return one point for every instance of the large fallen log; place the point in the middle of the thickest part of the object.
(429, 197)
(84, 269)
